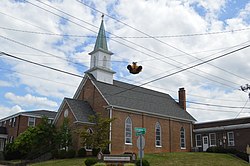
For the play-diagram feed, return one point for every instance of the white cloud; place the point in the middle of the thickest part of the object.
(5, 84)
(5, 111)
(29, 100)
(159, 18)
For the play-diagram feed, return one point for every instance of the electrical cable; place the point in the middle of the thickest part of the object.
(116, 40)
(150, 36)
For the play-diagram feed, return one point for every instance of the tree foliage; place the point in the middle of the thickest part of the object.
(99, 138)
(34, 139)
(64, 135)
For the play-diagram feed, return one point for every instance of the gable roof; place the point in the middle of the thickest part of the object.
(81, 109)
(124, 95)
(36, 113)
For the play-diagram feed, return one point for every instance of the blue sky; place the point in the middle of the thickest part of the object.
(26, 87)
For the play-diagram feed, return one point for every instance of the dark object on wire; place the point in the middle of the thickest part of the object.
(134, 69)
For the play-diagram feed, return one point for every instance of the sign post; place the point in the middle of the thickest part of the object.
(140, 141)
(248, 152)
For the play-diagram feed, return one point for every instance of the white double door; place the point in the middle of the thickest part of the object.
(205, 142)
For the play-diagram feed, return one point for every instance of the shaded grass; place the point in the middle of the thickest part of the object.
(194, 159)
(167, 159)
(62, 162)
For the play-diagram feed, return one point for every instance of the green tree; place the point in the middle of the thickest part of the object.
(64, 135)
(99, 138)
(38, 139)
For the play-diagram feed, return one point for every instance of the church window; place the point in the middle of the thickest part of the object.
(128, 131)
(158, 135)
(182, 138)
(89, 147)
(94, 59)
(105, 61)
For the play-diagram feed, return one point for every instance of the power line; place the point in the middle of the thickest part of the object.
(244, 107)
(150, 36)
(187, 68)
(125, 40)
(25, 45)
(37, 77)
(38, 64)
(69, 73)
(94, 36)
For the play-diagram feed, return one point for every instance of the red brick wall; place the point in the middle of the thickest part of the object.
(170, 133)
(20, 126)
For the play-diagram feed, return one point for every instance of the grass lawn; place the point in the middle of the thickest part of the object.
(167, 159)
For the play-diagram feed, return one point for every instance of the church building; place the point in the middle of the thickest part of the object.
(168, 125)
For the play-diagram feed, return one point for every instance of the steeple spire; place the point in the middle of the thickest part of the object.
(101, 42)
(100, 64)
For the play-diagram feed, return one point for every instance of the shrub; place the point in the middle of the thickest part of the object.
(95, 151)
(62, 154)
(82, 152)
(70, 154)
(100, 164)
(144, 162)
(216, 149)
(55, 153)
(129, 164)
(90, 161)
(105, 151)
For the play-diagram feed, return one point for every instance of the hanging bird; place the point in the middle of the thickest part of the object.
(134, 69)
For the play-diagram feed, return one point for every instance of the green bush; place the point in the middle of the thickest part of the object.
(95, 151)
(144, 162)
(105, 151)
(216, 149)
(62, 154)
(55, 153)
(90, 161)
(70, 153)
(129, 164)
(82, 152)
(233, 151)
(100, 164)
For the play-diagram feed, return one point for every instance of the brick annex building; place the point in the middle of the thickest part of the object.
(12, 126)
(168, 125)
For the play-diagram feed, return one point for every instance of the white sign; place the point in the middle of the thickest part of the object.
(138, 142)
(116, 158)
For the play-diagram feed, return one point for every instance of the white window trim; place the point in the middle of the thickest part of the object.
(34, 121)
(210, 144)
(131, 132)
(158, 146)
(89, 150)
(196, 140)
(229, 140)
(184, 138)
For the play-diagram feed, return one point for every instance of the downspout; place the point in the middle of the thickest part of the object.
(110, 127)
(191, 134)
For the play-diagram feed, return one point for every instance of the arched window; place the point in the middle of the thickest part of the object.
(157, 134)
(94, 59)
(128, 131)
(88, 147)
(182, 138)
(105, 61)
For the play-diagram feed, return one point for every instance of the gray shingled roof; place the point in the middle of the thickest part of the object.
(80, 108)
(49, 114)
(141, 99)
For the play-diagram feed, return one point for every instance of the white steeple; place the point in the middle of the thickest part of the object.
(100, 64)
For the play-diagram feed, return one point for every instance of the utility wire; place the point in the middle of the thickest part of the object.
(76, 75)
(29, 75)
(123, 39)
(187, 68)
(38, 64)
(244, 107)
(150, 36)
(94, 36)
